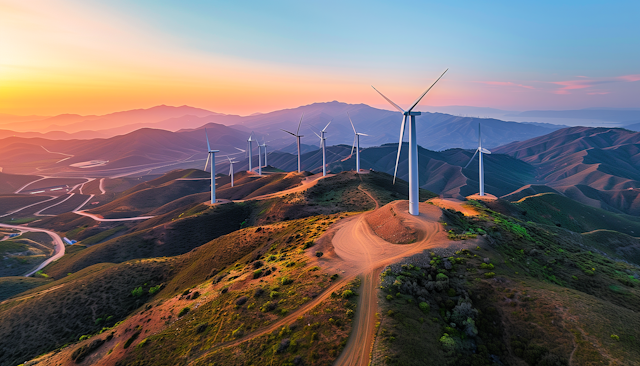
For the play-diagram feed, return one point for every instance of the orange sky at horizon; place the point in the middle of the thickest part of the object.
(89, 58)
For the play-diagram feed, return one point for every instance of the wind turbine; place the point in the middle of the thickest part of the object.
(297, 135)
(480, 150)
(212, 156)
(250, 149)
(231, 169)
(356, 143)
(413, 148)
(323, 146)
(264, 149)
(259, 159)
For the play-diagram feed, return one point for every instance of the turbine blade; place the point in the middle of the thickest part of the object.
(206, 162)
(352, 126)
(314, 132)
(470, 160)
(395, 171)
(362, 134)
(325, 127)
(300, 124)
(485, 151)
(389, 100)
(425, 93)
(479, 135)
(290, 133)
(237, 148)
(229, 158)
(207, 136)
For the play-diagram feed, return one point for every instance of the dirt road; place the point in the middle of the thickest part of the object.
(98, 218)
(57, 242)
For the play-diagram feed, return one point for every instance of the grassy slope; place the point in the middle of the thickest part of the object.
(11, 286)
(557, 210)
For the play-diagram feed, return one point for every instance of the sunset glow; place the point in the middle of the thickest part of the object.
(99, 57)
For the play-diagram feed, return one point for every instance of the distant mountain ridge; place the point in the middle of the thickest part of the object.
(596, 166)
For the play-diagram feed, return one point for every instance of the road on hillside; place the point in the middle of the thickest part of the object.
(58, 250)
(98, 218)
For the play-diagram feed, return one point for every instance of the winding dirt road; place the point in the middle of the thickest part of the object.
(58, 251)
(358, 251)
(98, 218)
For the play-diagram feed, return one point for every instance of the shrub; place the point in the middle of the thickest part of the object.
(451, 292)
(389, 297)
(425, 307)
(137, 292)
(184, 311)
(347, 294)
(286, 281)
(257, 273)
(442, 277)
(154, 289)
(319, 254)
(350, 313)
(274, 294)
(487, 266)
(489, 275)
(615, 337)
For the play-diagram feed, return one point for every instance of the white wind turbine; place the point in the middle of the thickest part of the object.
(297, 135)
(323, 144)
(480, 150)
(264, 146)
(231, 162)
(212, 156)
(356, 144)
(250, 149)
(413, 148)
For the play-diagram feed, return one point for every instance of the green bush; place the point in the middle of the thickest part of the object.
(615, 337)
(137, 292)
(425, 307)
(286, 281)
(154, 289)
(489, 275)
(274, 294)
(347, 294)
(486, 266)
(184, 311)
(389, 297)
(257, 273)
(442, 277)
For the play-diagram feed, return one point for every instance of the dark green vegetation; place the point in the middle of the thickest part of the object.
(29, 328)
(556, 210)
(10, 286)
(536, 294)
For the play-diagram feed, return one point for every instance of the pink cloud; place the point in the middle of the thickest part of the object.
(505, 83)
(635, 77)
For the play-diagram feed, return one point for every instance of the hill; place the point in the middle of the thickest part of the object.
(592, 165)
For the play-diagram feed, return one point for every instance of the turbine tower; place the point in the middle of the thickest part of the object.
(250, 149)
(413, 148)
(356, 144)
(297, 135)
(264, 147)
(259, 159)
(231, 162)
(212, 156)
(480, 150)
(323, 146)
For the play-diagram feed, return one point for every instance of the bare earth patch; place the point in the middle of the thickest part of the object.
(386, 223)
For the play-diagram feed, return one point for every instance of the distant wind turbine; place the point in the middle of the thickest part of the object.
(263, 148)
(212, 156)
(323, 143)
(356, 144)
(297, 135)
(250, 149)
(413, 148)
(480, 150)
(231, 161)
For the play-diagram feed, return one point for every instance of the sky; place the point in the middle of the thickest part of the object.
(242, 57)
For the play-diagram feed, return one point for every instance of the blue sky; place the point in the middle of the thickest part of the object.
(509, 55)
